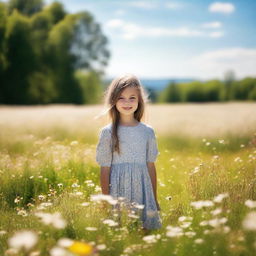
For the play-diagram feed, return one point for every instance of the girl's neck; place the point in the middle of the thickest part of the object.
(128, 120)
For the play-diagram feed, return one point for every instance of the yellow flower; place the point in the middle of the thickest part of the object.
(81, 249)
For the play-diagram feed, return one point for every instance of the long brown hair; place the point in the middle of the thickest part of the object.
(112, 94)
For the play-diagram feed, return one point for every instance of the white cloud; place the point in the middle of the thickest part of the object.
(216, 34)
(215, 24)
(174, 5)
(115, 23)
(208, 65)
(214, 63)
(142, 4)
(130, 31)
(221, 7)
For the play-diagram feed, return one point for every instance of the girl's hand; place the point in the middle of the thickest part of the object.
(158, 206)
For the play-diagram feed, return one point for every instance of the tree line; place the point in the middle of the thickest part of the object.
(210, 91)
(48, 55)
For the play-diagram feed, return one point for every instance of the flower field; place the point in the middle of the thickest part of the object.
(50, 195)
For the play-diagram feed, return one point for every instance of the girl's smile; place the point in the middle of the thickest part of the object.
(127, 102)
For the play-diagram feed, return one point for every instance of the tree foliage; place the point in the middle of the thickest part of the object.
(209, 91)
(43, 48)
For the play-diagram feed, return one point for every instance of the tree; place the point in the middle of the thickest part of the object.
(3, 60)
(91, 86)
(226, 92)
(20, 59)
(69, 52)
(171, 93)
(26, 7)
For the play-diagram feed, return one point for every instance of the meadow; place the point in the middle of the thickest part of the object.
(50, 202)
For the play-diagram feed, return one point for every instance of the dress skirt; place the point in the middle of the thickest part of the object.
(131, 181)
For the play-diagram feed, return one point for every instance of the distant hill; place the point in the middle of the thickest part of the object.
(157, 84)
(160, 84)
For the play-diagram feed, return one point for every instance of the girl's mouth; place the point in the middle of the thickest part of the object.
(127, 108)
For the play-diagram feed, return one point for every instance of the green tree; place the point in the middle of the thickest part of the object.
(69, 51)
(242, 89)
(194, 92)
(226, 92)
(212, 90)
(171, 93)
(91, 85)
(3, 60)
(26, 7)
(20, 59)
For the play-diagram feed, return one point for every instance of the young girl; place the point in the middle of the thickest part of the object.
(127, 150)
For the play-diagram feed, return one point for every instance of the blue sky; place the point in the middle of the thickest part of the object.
(176, 39)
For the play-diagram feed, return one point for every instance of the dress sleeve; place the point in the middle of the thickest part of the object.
(103, 149)
(152, 148)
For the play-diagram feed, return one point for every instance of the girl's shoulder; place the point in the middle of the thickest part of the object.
(105, 130)
(148, 129)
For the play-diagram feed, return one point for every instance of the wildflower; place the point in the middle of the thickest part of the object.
(58, 251)
(60, 185)
(81, 249)
(216, 211)
(43, 206)
(54, 219)
(203, 223)
(185, 224)
(91, 228)
(139, 206)
(174, 231)
(110, 222)
(196, 169)
(101, 247)
(25, 239)
(2, 232)
(75, 185)
(183, 218)
(41, 197)
(35, 253)
(190, 233)
(249, 222)
(201, 204)
(250, 203)
(151, 238)
(22, 213)
(220, 197)
(73, 143)
(85, 203)
(168, 198)
(102, 197)
(221, 141)
(217, 222)
(238, 159)
(65, 242)
(78, 193)
(199, 241)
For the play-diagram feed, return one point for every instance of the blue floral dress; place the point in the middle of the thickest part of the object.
(129, 176)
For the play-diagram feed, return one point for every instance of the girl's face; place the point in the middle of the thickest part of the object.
(127, 102)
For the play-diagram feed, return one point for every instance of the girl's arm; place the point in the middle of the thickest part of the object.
(152, 174)
(104, 179)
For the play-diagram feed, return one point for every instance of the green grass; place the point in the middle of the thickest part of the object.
(188, 169)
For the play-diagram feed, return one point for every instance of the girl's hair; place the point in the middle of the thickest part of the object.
(112, 94)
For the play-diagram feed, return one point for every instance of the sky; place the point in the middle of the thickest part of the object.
(164, 39)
